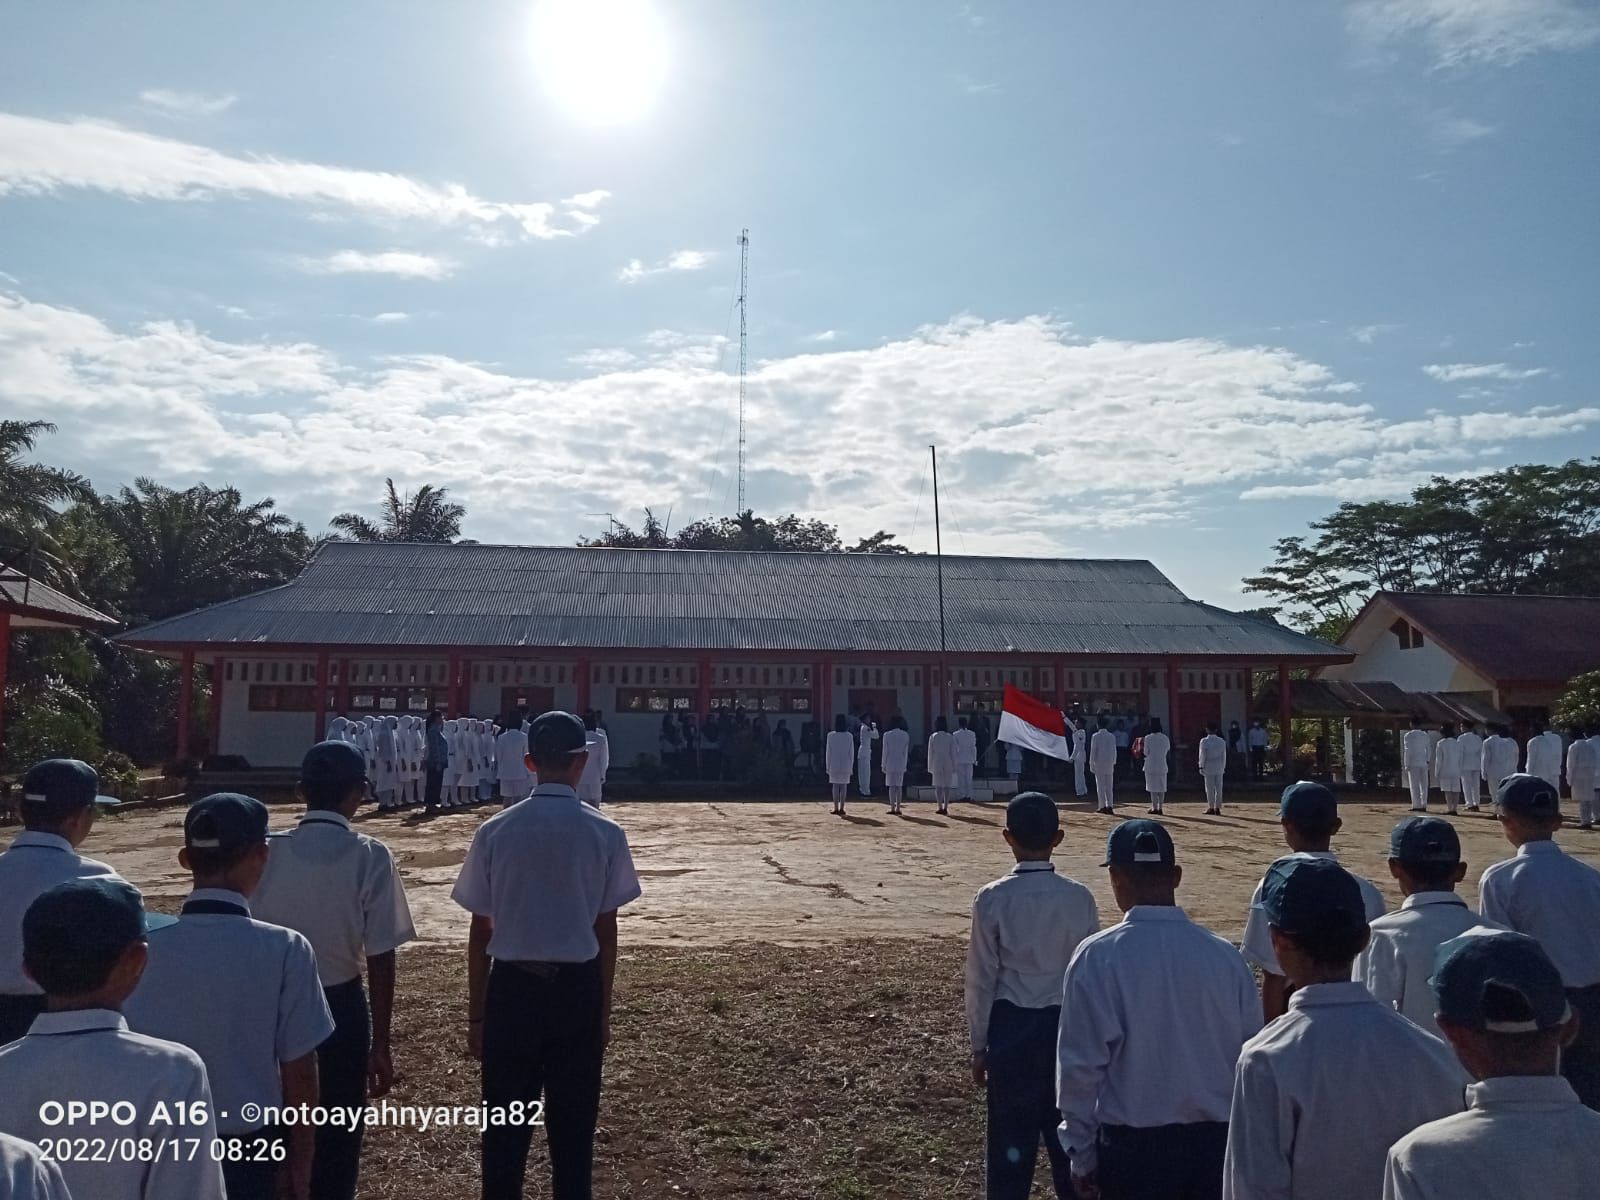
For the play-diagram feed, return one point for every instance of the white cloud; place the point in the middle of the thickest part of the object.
(390, 318)
(1501, 372)
(1450, 130)
(1367, 334)
(679, 260)
(404, 263)
(1489, 32)
(1045, 434)
(186, 104)
(975, 87)
(824, 337)
(40, 157)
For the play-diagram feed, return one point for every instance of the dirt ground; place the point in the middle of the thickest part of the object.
(789, 1020)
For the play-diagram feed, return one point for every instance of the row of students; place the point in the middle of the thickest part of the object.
(1460, 764)
(1174, 1076)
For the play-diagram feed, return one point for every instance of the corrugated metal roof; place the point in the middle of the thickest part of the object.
(18, 592)
(1379, 700)
(356, 594)
(1529, 638)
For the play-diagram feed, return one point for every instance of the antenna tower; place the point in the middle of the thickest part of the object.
(744, 300)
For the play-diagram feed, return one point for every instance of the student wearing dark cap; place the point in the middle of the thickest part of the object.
(242, 994)
(26, 1174)
(543, 881)
(1309, 814)
(1025, 926)
(1153, 1013)
(84, 944)
(342, 890)
(1321, 1093)
(1525, 1135)
(60, 799)
(1555, 898)
(1425, 859)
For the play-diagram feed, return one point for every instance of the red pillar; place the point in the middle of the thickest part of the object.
(344, 686)
(452, 703)
(1061, 684)
(704, 701)
(1285, 722)
(185, 701)
(5, 664)
(218, 677)
(322, 696)
(584, 672)
(1172, 702)
(929, 674)
(825, 680)
(1144, 691)
(464, 698)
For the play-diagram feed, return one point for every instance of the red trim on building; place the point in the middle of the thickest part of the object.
(185, 702)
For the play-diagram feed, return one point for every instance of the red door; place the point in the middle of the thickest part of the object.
(881, 702)
(535, 699)
(1195, 711)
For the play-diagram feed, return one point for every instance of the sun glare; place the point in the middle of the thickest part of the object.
(603, 61)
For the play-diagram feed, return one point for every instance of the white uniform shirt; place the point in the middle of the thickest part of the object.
(1257, 737)
(941, 759)
(1213, 758)
(1555, 899)
(599, 762)
(1156, 748)
(1025, 926)
(1321, 1094)
(1102, 751)
(89, 1055)
(1153, 1013)
(966, 747)
(868, 735)
(1447, 764)
(1581, 768)
(1544, 756)
(1523, 1137)
(1080, 743)
(240, 993)
(34, 864)
(896, 751)
(1470, 752)
(1499, 758)
(25, 1174)
(544, 871)
(839, 756)
(1416, 750)
(510, 756)
(1398, 960)
(339, 888)
(1256, 945)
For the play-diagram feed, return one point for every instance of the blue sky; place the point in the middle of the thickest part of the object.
(1163, 280)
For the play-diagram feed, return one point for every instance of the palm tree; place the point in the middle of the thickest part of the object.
(29, 494)
(199, 546)
(422, 516)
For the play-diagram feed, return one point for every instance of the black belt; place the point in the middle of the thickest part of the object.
(545, 970)
(221, 908)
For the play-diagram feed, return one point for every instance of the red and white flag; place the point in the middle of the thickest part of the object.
(1033, 725)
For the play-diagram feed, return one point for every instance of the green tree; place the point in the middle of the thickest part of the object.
(31, 495)
(425, 515)
(1580, 703)
(744, 532)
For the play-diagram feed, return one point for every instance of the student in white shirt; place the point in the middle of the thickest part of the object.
(1416, 762)
(896, 754)
(1581, 771)
(342, 891)
(941, 764)
(1080, 755)
(1156, 747)
(1425, 859)
(1469, 744)
(243, 995)
(1103, 766)
(1213, 764)
(1154, 1011)
(867, 734)
(1544, 758)
(1554, 898)
(1309, 815)
(59, 803)
(838, 760)
(591, 785)
(511, 762)
(966, 747)
(84, 943)
(543, 881)
(1257, 737)
(1447, 767)
(1025, 926)
(1525, 1135)
(26, 1174)
(1322, 1092)
(1499, 759)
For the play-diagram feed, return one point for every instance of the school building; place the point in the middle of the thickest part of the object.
(483, 630)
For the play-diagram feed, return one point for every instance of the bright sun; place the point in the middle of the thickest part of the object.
(603, 61)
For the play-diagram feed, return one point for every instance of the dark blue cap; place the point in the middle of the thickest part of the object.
(1527, 794)
(333, 762)
(1139, 842)
(1032, 819)
(225, 821)
(1305, 895)
(1308, 804)
(95, 918)
(1499, 982)
(1418, 840)
(62, 785)
(556, 735)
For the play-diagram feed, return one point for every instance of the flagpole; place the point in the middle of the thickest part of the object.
(938, 558)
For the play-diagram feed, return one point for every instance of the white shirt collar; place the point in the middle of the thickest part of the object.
(325, 816)
(1418, 899)
(1155, 912)
(226, 895)
(556, 791)
(47, 841)
(81, 1020)
(1025, 867)
(1546, 846)
(1507, 1090)
(1317, 995)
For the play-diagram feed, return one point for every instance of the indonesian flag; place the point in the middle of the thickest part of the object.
(1033, 725)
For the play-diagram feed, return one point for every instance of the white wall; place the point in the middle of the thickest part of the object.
(264, 739)
(1426, 668)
